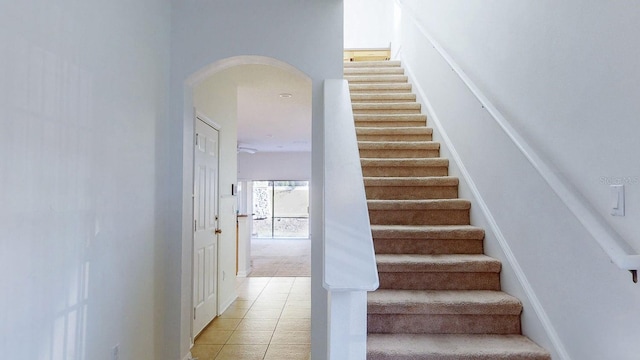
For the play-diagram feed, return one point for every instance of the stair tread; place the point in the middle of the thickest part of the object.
(437, 263)
(457, 302)
(452, 347)
(411, 181)
(427, 232)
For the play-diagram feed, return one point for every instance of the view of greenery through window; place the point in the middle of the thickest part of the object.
(281, 209)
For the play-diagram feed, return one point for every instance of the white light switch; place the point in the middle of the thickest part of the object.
(617, 200)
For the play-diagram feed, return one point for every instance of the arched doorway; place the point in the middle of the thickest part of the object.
(218, 95)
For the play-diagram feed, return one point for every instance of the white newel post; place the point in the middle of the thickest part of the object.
(348, 325)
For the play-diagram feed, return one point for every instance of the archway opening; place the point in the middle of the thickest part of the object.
(263, 105)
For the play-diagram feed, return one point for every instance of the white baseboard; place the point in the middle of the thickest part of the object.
(187, 357)
(224, 306)
(244, 273)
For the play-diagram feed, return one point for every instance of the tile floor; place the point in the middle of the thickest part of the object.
(271, 319)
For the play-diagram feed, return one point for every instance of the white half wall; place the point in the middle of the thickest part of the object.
(562, 75)
(83, 87)
(274, 166)
(368, 24)
(206, 35)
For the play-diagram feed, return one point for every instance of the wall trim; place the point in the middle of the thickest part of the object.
(206, 119)
(188, 356)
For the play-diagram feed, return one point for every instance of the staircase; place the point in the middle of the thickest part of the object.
(439, 295)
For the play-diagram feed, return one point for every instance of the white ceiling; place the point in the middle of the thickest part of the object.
(266, 121)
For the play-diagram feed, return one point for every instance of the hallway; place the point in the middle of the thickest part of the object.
(270, 320)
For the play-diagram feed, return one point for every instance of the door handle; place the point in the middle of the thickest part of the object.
(217, 231)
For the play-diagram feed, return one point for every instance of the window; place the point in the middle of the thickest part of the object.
(281, 209)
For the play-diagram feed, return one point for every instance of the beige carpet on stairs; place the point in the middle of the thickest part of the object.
(439, 295)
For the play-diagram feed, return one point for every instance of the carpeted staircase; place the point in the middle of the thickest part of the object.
(439, 295)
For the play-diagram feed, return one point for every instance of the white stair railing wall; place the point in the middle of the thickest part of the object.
(349, 260)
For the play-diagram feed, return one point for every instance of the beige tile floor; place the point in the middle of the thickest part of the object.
(271, 319)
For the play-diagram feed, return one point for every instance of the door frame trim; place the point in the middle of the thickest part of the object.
(203, 117)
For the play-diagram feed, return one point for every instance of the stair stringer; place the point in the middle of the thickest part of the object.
(535, 322)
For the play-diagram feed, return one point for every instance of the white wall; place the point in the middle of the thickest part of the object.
(368, 24)
(306, 35)
(565, 76)
(274, 166)
(83, 86)
(217, 99)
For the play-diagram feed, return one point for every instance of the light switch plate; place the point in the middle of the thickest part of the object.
(617, 200)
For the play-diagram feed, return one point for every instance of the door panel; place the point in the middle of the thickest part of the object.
(205, 242)
(201, 209)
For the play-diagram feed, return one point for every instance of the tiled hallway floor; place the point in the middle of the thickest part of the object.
(271, 319)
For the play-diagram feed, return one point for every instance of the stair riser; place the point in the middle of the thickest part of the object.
(399, 153)
(427, 247)
(385, 111)
(443, 324)
(389, 123)
(380, 89)
(366, 64)
(395, 171)
(375, 106)
(411, 192)
(419, 217)
(376, 79)
(389, 98)
(418, 118)
(381, 101)
(374, 71)
(396, 137)
(439, 281)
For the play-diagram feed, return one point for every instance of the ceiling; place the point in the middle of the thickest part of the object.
(267, 121)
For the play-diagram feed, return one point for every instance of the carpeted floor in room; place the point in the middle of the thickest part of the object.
(280, 257)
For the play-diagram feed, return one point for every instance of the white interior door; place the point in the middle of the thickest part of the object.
(205, 224)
